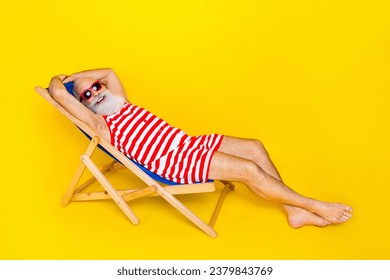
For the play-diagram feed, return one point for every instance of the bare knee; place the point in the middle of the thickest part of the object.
(227, 167)
(257, 149)
(254, 178)
(257, 144)
(251, 172)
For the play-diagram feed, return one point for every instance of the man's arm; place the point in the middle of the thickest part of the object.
(58, 91)
(107, 76)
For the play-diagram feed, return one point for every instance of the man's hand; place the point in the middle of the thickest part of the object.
(68, 79)
(102, 75)
(57, 85)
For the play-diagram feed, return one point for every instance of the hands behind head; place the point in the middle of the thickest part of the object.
(56, 83)
(62, 77)
(68, 79)
(106, 76)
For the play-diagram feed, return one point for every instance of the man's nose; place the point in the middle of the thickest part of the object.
(94, 92)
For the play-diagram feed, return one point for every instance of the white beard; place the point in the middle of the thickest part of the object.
(110, 104)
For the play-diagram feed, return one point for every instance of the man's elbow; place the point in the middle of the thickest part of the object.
(59, 94)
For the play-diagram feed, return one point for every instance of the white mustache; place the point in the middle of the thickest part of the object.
(99, 96)
(110, 105)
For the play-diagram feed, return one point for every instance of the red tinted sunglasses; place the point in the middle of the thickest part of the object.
(87, 94)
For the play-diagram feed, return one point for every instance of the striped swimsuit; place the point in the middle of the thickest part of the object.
(163, 149)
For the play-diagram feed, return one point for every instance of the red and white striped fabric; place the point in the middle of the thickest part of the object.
(160, 147)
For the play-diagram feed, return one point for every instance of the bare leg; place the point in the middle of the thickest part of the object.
(254, 150)
(311, 212)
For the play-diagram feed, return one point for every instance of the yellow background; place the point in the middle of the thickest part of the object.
(308, 78)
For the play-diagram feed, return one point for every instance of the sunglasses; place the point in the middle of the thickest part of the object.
(87, 94)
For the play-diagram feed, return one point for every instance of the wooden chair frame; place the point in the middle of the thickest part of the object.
(76, 192)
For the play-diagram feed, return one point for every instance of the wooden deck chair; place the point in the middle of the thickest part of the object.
(152, 186)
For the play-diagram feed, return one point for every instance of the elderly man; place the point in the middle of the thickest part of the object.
(101, 101)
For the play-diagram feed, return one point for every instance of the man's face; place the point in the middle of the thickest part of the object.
(97, 97)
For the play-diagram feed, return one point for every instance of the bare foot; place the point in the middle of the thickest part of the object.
(335, 213)
(299, 217)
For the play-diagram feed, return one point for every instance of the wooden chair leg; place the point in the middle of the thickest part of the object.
(107, 168)
(79, 172)
(108, 188)
(228, 186)
(186, 212)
